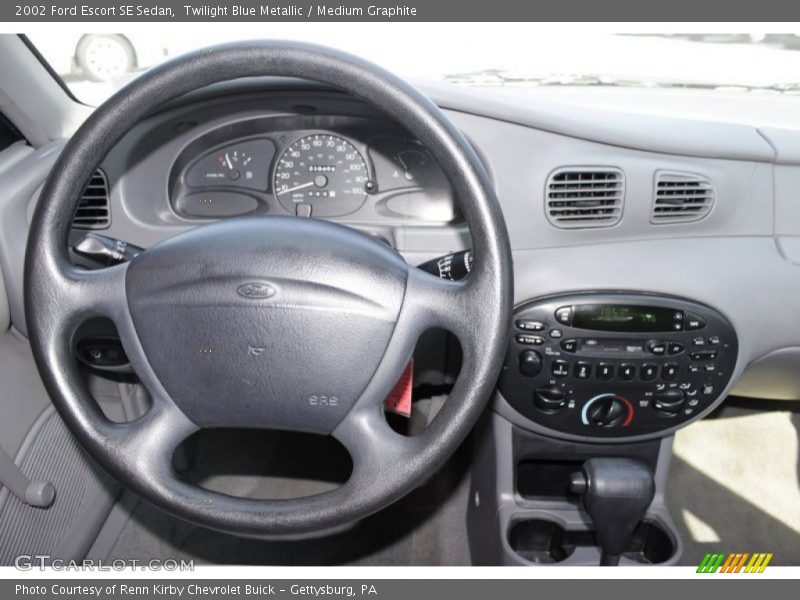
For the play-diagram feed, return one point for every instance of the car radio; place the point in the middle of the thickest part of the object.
(616, 365)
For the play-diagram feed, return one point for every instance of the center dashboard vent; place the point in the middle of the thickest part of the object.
(93, 211)
(681, 197)
(580, 197)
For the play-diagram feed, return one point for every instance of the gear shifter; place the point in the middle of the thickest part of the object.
(616, 493)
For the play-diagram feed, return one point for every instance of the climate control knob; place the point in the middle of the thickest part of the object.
(549, 399)
(669, 402)
(607, 410)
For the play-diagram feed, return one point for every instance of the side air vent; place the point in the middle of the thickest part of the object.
(93, 211)
(579, 197)
(681, 197)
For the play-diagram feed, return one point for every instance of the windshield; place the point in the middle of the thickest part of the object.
(519, 55)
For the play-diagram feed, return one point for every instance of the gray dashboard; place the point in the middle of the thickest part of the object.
(741, 258)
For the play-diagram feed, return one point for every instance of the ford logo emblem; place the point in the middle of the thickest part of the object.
(256, 291)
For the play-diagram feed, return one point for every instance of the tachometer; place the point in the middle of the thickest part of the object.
(325, 171)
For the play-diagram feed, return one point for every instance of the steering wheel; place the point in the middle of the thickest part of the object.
(271, 322)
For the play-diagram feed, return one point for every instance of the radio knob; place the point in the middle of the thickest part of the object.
(549, 399)
(530, 363)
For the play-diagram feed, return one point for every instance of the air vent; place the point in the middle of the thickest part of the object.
(681, 197)
(585, 197)
(93, 211)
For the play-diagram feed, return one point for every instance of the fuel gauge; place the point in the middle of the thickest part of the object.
(405, 163)
(233, 165)
(245, 164)
(413, 163)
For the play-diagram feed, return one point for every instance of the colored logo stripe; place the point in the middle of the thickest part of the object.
(711, 562)
(758, 563)
(734, 562)
(728, 562)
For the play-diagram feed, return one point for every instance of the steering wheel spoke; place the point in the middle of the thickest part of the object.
(429, 302)
(84, 294)
(80, 295)
(372, 444)
(152, 439)
(436, 302)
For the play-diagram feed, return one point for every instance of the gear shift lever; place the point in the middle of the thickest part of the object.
(616, 493)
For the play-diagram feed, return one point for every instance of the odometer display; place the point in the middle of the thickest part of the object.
(323, 170)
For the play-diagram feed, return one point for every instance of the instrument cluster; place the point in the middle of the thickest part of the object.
(347, 167)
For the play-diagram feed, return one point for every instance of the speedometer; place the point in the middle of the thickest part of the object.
(323, 170)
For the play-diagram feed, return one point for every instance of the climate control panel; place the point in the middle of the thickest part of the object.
(616, 365)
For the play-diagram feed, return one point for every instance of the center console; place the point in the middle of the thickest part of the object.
(610, 366)
(591, 377)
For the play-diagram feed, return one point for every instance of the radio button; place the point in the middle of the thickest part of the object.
(556, 333)
(583, 370)
(528, 325)
(694, 368)
(694, 322)
(564, 315)
(649, 372)
(709, 367)
(698, 341)
(704, 355)
(605, 371)
(713, 340)
(560, 368)
(569, 345)
(675, 348)
(669, 371)
(626, 371)
(657, 348)
(529, 340)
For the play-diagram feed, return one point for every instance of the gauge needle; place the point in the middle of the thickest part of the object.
(228, 160)
(297, 187)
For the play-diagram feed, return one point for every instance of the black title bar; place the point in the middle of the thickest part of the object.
(401, 10)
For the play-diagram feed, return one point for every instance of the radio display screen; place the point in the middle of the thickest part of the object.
(626, 318)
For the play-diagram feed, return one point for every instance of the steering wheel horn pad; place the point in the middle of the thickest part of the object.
(262, 321)
(271, 322)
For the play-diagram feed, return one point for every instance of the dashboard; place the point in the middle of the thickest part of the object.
(656, 254)
(594, 212)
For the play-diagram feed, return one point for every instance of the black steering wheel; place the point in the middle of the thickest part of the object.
(268, 322)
